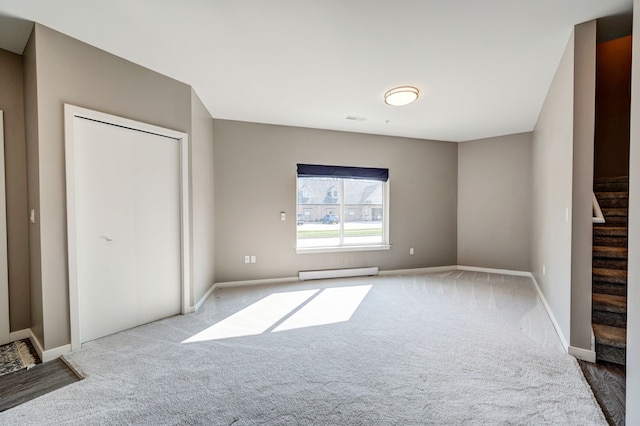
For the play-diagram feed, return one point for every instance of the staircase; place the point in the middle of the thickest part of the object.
(609, 308)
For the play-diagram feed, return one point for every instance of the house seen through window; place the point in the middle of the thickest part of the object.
(341, 207)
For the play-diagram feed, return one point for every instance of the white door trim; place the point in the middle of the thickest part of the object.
(5, 328)
(71, 112)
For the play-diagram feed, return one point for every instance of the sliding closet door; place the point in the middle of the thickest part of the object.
(128, 227)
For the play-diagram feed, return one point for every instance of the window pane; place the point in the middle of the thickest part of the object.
(319, 207)
(334, 212)
(363, 212)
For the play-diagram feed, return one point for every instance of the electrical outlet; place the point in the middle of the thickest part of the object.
(253, 259)
(544, 269)
(247, 259)
(411, 250)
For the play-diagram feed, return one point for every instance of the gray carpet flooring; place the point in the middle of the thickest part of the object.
(448, 348)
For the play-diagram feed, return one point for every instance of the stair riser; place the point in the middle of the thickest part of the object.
(611, 354)
(613, 319)
(613, 203)
(611, 185)
(609, 288)
(611, 188)
(612, 280)
(610, 263)
(616, 220)
(618, 253)
(610, 241)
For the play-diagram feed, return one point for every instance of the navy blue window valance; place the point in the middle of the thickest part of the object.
(368, 173)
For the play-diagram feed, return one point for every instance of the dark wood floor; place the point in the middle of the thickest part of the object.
(608, 382)
(24, 385)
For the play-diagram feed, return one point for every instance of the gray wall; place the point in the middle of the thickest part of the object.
(582, 181)
(202, 199)
(633, 291)
(12, 103)
(33, 185)
(552, 193)
(69, 71)
(562, 188)
(255, 179)
(494, 202)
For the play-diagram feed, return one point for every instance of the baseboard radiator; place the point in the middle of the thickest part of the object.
(337, 273)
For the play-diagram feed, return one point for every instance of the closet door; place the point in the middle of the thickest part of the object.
(128, 227)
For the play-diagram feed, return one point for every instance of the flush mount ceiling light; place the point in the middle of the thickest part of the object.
(400, 96)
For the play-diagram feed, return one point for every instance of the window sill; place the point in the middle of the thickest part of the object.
(308, 250)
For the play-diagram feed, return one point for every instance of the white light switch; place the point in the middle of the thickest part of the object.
(32, 216)
(282, 216)
(247, 259)
(253, 259)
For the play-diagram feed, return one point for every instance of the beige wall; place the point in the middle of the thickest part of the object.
(582, 182)
(255, 179)
(552, 156)
(33, 184)
(562, 188)
(494, 202)
(69, 71)
(12, 103)
(633, 291)
(202, 199)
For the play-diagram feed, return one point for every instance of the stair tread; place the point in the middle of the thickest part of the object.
(614, 212)
(611, 194)
(609, 273)
(609, 303)
(608, 230)
(610, 252)
(611, 336)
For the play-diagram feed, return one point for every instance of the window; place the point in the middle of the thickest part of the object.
(345, 210)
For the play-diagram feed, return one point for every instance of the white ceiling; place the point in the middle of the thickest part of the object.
(483, 67)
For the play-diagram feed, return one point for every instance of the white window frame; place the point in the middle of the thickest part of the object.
(384, 245)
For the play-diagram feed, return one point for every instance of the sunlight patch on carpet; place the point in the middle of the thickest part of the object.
(331, 306)
(296, 309)
(15, 356)
(256, 318)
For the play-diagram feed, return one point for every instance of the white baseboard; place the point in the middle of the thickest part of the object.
(204, 298)
(412, 271)
(36, 344)
(55, 353)
(255, 282)
(45, 356)
(493, 271)
(563, 339)
(20, 335)
(583, 354)
(418, 271)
